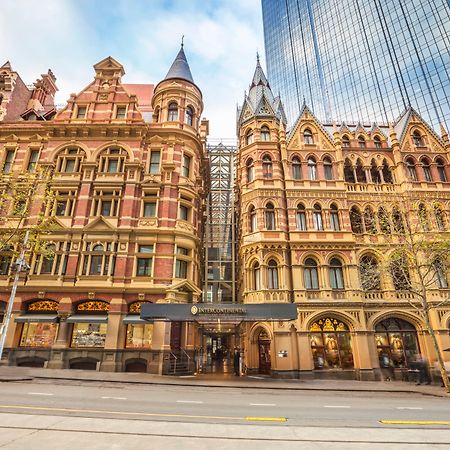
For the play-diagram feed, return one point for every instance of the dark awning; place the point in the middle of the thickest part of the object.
(87, 318)
(225, 312)
(134, 318)
(37, 318)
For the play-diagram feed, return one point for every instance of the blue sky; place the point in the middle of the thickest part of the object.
(70, 36)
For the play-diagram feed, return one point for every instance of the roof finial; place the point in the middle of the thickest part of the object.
(182, 41)
(257, 56)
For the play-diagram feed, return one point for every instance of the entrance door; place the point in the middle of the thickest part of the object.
(264, 356)
(175, 336)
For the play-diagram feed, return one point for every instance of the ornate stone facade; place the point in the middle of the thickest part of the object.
(309, 213)
(128, 172)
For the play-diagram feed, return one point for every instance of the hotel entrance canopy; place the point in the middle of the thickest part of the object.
(212, 312)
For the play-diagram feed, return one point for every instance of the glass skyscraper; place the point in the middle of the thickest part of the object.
(360, 60)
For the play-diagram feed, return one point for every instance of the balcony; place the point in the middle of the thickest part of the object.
(364, 187)
(267, 296)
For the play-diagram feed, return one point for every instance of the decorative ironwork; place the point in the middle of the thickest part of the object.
(328, 324)
(93, 306)
(136, 307)
(43, 305)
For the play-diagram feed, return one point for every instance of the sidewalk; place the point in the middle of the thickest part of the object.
(11, 373)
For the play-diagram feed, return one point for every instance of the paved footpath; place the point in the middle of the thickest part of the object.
(8, 373)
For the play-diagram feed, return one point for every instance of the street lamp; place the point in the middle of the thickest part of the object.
(19, 266)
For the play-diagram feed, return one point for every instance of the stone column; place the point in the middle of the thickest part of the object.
(306, 363)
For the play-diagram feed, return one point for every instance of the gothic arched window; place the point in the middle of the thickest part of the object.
(308, 137)
(296, 168)
(312, 168)
(172, 115)
(336, 274)
(272, 274)
(265, 134)
(270, 216)
(189, 118)
(311, 275)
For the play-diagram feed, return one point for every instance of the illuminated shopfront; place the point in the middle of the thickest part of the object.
(331, 344)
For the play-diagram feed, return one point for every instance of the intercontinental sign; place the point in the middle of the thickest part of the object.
(218, 311)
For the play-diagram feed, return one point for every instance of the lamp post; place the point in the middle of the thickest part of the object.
(19, 266)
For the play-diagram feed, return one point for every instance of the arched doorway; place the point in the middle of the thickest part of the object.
(264, 364)
(397, 342)
(331, 344)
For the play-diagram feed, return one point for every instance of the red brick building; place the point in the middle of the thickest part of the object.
(129, 174)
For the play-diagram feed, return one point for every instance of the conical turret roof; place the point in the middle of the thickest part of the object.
(180, 68)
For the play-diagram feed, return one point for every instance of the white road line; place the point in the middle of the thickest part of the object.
(409, 407)
(256, 378)
(336, 406)
(263, 404)
(39, 393)
(115, 398)
(189, 401)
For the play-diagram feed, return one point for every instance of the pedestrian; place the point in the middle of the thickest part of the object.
(236, 361)
(422, 367)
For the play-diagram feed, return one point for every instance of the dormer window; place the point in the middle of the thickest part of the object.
(345, 142)
(417, 139)
(361, 142)
(81, 112)
(308, 137)
(377, 142)
(173, 112)
(121, 112)
(189, 117)
(265, 134)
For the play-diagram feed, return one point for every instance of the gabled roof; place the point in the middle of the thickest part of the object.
(401, 124)
(305, 109)
(180, 68)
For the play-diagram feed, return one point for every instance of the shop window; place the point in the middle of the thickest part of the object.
(267, 166)
(139, 335)
(317, 217)
(270, 217)
(272, 274)
(331, 344)
(189, 116)
(38, 334)
(172, 114)
(250, 170)
(296, 168)
(89, 335)
(369, 274)
(397, 344)
(311, 274)
(265, 134)
(334, 218)
(301, 217)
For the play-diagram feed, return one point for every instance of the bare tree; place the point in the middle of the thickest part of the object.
(416, 255)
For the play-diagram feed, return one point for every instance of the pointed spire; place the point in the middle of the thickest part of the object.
(180, 67)
(443, 130)
(7, 65)
(259, 77)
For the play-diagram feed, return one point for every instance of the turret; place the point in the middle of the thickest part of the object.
(177, 101)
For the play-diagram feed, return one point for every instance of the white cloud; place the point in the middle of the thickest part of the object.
(69, 36)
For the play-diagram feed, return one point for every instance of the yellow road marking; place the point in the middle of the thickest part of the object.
(415, 422)
(268, 419)
(130, 413)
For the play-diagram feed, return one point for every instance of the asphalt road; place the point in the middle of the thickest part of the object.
(62, 414)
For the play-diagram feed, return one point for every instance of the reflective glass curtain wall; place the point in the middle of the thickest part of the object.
(360, 60)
